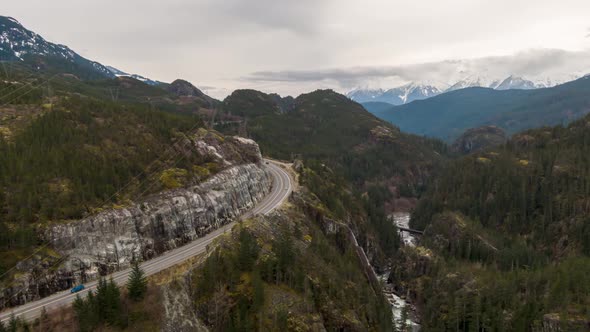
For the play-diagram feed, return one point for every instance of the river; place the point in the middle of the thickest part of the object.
(397, 303)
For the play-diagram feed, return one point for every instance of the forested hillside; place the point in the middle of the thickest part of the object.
(70, 148)
(304, 275)
(370, 166)
(508, 236)
(328, 127)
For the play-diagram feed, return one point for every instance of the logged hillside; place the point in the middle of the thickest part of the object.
(448, 115)
(507, 236)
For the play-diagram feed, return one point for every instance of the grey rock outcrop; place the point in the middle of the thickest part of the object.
(109, 241)
(179, 313)
(479, 139)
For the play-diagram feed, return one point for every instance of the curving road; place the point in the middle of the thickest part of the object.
(281, 189)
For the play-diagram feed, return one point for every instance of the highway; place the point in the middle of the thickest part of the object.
(281, 189)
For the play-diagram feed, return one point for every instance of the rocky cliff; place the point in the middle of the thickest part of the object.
(108, 241)
(478, 139)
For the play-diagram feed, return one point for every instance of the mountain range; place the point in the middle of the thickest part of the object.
(419, 91)
(448, 115)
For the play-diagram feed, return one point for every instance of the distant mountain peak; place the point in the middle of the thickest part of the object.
(396, 96)
(514, 82)
(184, 88)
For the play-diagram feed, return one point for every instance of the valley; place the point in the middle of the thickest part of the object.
(456, 201)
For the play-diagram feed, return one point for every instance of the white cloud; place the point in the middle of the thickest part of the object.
(218, 43)
(532, 64)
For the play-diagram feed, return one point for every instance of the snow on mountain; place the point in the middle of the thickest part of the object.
(365, 95)
(120, 73)
(417, 91)
(17, 43)
(396, 96)
(475, 81)
(518, 83)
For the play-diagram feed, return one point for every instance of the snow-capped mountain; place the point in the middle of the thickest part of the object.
(518, 83)
(18, 44)
(474, 81)
(120, 73)
(396, 96)
(510, 82)
(363, 95)
(415, 91)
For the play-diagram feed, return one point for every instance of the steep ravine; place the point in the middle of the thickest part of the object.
(107, 242)
(398, 303)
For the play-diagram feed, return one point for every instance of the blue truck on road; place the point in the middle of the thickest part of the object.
(77, 289)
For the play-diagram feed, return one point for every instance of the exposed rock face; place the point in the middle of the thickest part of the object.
(286, 104)
(187, 93)
(179, 314)
(554, 323)
(478, 139)
(109, 241)
(183, 88)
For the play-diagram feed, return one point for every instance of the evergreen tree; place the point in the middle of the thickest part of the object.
(137, 284)
(258, 292)
(113, 303)
(13, 323)
(248, 251)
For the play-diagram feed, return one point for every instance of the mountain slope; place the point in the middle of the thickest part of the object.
(323, 125)
(506, 237)
(517, 83)
(376, 106)
(20, 44)
(364, 168)
(120, 73)
(448, 115)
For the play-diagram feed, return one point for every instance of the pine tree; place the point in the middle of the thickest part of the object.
(13, 324)
(248, 252)
(258, 293)
(137, 284)
(101, 300)
(113, 301)
(81, 308)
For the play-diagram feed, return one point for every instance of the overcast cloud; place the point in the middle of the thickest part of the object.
(539, 64)
(294, 46)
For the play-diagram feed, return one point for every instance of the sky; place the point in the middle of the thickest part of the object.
(296, 46)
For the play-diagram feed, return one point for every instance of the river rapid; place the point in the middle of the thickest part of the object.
(400, 219)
